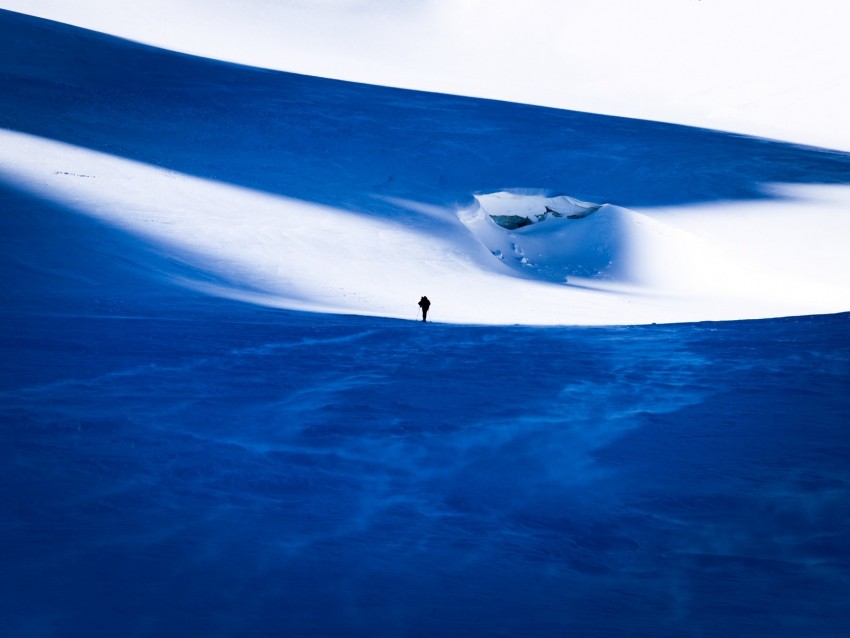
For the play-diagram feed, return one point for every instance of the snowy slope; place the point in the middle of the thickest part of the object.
(775, 68)
(175, 462)
(303, 193)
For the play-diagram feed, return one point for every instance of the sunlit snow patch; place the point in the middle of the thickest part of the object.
(588, 266)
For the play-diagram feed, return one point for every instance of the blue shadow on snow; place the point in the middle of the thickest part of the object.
(341, 144)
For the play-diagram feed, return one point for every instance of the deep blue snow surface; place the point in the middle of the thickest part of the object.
(222, 471)
(175, 465)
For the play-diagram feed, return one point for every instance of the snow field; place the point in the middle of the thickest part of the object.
(612, 266)
(177, 464)
(314, 195)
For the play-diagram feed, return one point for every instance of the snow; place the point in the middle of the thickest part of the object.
(612, 266)
(306, 210)
(776, 69)
(202, 468)
(189, 446)
(626, 263)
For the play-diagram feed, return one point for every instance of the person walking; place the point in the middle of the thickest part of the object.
(424, 303)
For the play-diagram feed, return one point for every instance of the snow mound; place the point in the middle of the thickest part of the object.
(560, 238)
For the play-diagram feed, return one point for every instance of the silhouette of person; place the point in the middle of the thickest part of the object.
(424, 304)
